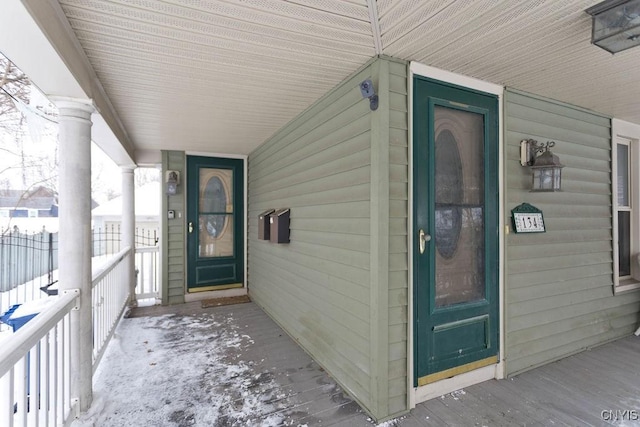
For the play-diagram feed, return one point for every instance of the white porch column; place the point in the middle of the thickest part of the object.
(128, 226)
(74, 135)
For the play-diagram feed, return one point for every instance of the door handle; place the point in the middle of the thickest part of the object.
(423, 238)
(190, 227)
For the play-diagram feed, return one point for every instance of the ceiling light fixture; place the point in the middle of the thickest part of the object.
(615, 24)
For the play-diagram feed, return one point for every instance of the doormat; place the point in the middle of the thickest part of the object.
(216, 302)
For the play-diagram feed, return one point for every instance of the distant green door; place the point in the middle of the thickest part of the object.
(215, 221)
(456, 225)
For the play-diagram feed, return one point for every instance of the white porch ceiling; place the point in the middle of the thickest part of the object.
(223, 75)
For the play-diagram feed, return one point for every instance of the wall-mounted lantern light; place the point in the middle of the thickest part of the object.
(173, 180)
(615, 24)
(546, 167)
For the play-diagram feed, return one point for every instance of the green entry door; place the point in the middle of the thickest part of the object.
(456, 229)
(215, 222)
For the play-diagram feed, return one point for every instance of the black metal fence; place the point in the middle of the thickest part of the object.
(25, 257)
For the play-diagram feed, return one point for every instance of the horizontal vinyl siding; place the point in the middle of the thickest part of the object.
(398, 267)
(318, 286)
(175, 234)
(559, 296)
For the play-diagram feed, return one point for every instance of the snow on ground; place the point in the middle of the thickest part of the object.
(181, 371)
(32, 307)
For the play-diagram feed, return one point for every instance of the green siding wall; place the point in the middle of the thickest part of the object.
(559, 294)
(173, 266)
(330, 287)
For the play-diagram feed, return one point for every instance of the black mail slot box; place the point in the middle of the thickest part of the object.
(263, 224)
(279, 224)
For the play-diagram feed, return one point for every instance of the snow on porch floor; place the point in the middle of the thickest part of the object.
(222, 366)
(230, 366)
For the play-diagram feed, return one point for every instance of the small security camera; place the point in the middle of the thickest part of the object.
(367, 91)
(366, 88)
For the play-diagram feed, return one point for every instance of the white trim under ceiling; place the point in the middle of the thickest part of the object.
(375, 25)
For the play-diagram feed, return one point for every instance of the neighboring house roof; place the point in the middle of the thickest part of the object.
(38, 198)
(147, 203)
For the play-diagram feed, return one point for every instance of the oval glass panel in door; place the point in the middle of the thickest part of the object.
(215, 200)
(215, 216)
(459, 206)
(449, 194)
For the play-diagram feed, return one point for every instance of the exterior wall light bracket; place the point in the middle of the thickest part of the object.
(545, 167)
(172, 180)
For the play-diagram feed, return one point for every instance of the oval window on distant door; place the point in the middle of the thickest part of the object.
(215, 200)
(216, 213)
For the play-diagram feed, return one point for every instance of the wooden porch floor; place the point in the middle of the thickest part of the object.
(288, 388)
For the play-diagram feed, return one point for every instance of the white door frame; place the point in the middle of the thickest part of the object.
(198, 296)
(421, 394)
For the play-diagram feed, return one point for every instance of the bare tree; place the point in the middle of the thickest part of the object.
(146, 175)
(17, 121)
(15, 86)
(26, 160)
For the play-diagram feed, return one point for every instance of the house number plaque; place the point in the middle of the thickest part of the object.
(527, 219)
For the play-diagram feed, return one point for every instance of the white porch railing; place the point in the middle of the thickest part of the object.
(147, 285)
(34, 369)
(35, 363)
(111, 287)
(148, 274)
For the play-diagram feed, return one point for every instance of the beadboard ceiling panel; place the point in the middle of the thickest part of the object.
(538, 46)
(218, 76)
(223, 75)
